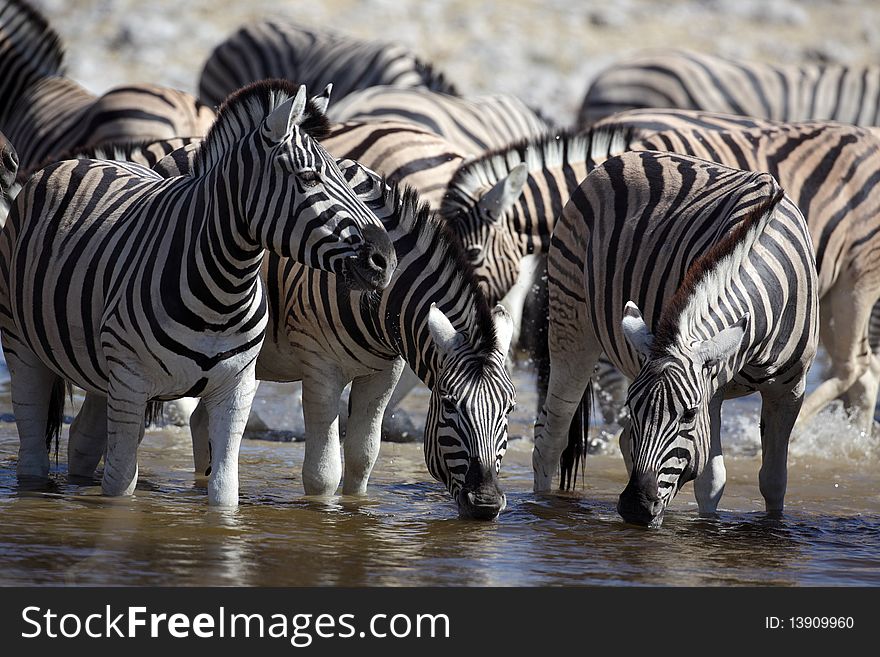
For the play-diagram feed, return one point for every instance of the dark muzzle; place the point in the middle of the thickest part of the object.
(480, 498)
(640, 502)
(371, 269)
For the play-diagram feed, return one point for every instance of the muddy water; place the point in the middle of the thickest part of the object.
(405, 532)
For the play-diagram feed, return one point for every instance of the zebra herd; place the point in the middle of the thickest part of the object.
(690, 240)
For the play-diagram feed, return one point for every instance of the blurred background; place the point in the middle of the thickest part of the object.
(545, 51)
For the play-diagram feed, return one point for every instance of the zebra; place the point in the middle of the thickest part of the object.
(156, 281)
(831, 171)
(433, 318)
(44, 113)
(689, 80)
(474, 125)
(698, 281)
(282, 49)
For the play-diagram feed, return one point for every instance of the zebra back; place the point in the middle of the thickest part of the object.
(474, 125)
(689, 80)
(401, 152)
(316, 58)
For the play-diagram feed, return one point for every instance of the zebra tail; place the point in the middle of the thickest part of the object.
(155, 414)
(55, 417)
(574, 457)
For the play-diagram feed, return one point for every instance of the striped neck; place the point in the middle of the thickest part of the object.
(431, 270)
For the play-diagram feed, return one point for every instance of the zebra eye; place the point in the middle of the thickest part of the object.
(449, 403)
(497, 466)
(475, 253)
(689, 416)
(309, 177)
(511, 407)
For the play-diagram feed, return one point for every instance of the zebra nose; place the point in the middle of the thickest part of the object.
(375, 262)
(640, 502)
(481, 498)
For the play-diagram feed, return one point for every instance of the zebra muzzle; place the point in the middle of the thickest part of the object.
(371, 269)
(640, 502)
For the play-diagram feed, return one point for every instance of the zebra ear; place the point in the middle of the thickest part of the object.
(725, 344)
(635, 330)
(505, 192)
(322, 100)
(442, 331)
(503, 328)
(286, 115)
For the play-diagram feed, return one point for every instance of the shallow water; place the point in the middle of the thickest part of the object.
(405, 531)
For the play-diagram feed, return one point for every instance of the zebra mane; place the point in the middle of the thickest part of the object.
(434, 236)
(704, 271)
(244, 110)
(548, 151)
(29, 46)
(435, 80)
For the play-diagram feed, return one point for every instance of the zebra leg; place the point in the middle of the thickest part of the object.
(569, 378)
(198, 429)
(861, 398)
(625, 442)
(227, 410)
(778, 415)
(126, 409)
(322, 465)
(33, 388)
(88, 437)
(407, 381)
(709, 486)
(369, 396)
(844, 332)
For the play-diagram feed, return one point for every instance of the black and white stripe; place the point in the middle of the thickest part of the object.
(316, 58)
(474, 124)
(688, 80)
(44, 113)
(697, 281)
(148, 288)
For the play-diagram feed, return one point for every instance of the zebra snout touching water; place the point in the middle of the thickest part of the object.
(141, 289)
(432, 318)
(699, 283)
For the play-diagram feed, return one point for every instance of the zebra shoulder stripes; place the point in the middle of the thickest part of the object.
(148, 289)
(474, 125)
(282, 49)
(697, 281)
(44, 113)
(689, 80)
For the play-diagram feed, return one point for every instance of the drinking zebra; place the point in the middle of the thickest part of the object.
(432, 318)
(316, 58)
(44, 113)
(156, 281)
(8, 171)
(474, 125)
(689, 80)
(831, 171)
(698, 282)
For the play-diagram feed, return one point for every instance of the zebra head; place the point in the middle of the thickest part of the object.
(8, 171)
(466, 427)
(298, 204)
(480, 218)
(666, 443)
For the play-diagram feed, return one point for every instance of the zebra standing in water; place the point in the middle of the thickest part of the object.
(44, 113)
(431, 317)
(156, 281)
(697, 281)
(689, 80)
(277, 49)
(474, 125)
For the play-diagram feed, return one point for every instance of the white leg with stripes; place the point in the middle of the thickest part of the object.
(88, 437)
(709, 486)
(227, 410)
(126, 407)
(778, 416)
(322, 465)
(31, 383)
(368, 399)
